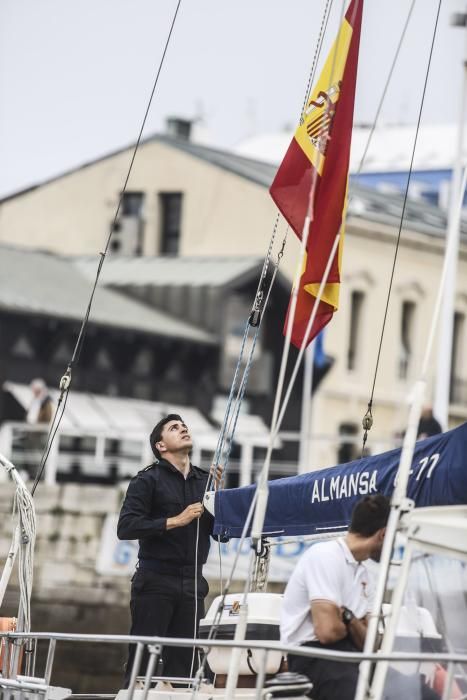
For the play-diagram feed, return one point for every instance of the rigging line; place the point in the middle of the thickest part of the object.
(304, 342)
(323, 27)
(66, 379)
(222, 438)
(368, 414)
(257, 304)
(385, 89)
(79, 342)
(195, 625)
(228, 431)
(298, 271)
(51, 437)
(319, 46)
(221, 578)
(246, 371)
(246, 374)
(218, 615)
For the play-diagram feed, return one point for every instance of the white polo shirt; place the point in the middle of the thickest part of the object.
(326, 571)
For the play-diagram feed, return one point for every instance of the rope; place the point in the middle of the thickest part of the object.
(276, 419)
(319, 45)
(217, 617)
(231, 416)
(385, 89)
(24, 505)
(221, 578)
(367, 421)
(195, 626)
(223, 430)
(24, 538)
(254, 320)
(65, 381)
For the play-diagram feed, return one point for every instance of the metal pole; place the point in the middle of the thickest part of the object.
(9, 564)
(261, 675)
(399, 502)
(52, 463)
(154, 654)
(246, 464)
(443, 369)
(306, 415)
(135, 669)
(240, 633)
(379, 678)
(50, 661)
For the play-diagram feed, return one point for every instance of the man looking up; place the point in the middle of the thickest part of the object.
(163, 510)
(327, 601)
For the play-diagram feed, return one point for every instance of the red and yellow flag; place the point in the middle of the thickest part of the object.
(317, 163)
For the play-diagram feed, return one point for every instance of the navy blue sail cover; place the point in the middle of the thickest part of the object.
(322, 501)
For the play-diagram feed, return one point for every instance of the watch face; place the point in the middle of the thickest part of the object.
(347, 616)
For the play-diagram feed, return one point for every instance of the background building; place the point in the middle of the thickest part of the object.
(184, 200)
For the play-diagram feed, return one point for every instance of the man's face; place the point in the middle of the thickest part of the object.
(174, 438)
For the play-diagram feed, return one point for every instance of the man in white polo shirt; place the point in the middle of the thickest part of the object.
(328, 598)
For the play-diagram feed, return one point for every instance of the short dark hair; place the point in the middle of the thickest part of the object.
(370, 515)
(157, 431)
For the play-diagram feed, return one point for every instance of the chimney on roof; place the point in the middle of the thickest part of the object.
(179, 128)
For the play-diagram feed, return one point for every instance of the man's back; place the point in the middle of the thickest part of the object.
(327, 571)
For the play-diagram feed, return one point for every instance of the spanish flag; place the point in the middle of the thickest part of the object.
(314, 173)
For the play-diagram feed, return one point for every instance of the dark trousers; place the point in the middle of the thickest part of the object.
(337, 680)
(163, 605)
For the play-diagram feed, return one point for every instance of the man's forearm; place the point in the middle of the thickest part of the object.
(357, 631)
(171, 523)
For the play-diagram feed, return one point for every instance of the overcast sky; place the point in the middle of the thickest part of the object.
(75, 76)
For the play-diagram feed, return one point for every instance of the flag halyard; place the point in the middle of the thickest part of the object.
(313, 176)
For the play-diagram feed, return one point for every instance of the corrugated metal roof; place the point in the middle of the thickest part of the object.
(373, 205)
(46, 284)
(170, 271)
(255, 170)
(369, 204)
(390, 148)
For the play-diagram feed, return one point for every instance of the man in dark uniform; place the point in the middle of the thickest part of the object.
(163, 510)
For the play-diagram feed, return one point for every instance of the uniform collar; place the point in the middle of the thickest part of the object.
(349, 557)
(194, 471)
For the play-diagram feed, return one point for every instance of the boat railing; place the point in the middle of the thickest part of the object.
(154, 646)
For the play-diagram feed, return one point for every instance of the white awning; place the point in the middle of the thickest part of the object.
(125, 417)
(118, 416)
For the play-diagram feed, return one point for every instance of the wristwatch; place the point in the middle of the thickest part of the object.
(347, 616)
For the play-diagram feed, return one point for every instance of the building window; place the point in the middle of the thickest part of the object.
(132, 204)
(128, 232)
(103, 360)
(143, 363)
(458, 393)
(406, 338)
(170, 204)
(348, 443)
(356, 308)
(23, 347)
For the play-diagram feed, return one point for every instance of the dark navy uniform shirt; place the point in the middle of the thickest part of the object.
(155, 494)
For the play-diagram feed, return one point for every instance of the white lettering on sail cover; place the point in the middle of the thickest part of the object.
(344, 486)
(425, 470)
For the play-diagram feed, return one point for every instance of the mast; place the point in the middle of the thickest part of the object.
(306, 433)
(445, 342)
